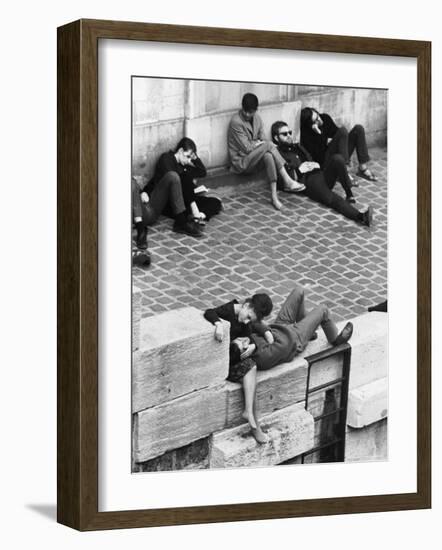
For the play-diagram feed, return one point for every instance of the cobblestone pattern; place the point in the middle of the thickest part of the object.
(251, 247)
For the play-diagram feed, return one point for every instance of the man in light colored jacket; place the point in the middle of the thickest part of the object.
(249, 151)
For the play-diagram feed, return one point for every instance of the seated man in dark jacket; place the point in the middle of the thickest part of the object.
(318, 183)
(323, 140)
(292, 330)
(165, 189)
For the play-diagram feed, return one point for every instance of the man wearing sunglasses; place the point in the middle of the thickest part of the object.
(318, 183)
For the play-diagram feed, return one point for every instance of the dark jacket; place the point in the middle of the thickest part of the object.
(237, 329)
(168, 163)
(284, 348)
(294, 155)
(316, 144)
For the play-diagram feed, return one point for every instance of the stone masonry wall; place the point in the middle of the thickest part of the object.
(186, 415)
(164, 110)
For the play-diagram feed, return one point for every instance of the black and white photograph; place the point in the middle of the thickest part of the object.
(259, 274)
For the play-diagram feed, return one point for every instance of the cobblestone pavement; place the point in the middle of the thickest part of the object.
(251, 247)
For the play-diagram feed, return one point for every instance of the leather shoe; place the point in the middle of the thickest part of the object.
(345, 335)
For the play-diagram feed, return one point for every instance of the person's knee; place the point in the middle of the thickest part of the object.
(359, 129)
(269, 146)
(337, 159)
(172, 177)
(324, 311)
(342, 131)
(297, 293)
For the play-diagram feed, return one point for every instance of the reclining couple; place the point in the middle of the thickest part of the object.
(254, 345)
(294, 168)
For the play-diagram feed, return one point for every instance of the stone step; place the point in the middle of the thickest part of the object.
(225, 182)
(290, 431)
(178, 422)
(177, 354)
(368, 403)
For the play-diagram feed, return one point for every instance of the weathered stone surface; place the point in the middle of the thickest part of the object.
(136, 317)
(368, 403)
(277, 388)
(178, 354)
(290, 431)
(178, 422)
(194, 456)
(367, 444)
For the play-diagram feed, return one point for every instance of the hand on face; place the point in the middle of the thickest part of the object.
(185, 157)
(317, 122)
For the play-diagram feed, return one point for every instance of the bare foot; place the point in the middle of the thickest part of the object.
(250, 419)
(259, 435)
(276, 203)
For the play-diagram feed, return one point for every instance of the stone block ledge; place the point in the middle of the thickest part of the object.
(200, 401)
(368, 403)
(177, 355)
(290, 431)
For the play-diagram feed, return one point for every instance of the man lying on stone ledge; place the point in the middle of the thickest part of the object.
(258, 346)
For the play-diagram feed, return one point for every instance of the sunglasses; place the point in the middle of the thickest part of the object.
(288, 133)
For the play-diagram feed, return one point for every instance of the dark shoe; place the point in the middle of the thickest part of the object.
(345, 335)
(367, 216)
(142, 238)
(188, 228)
(383, 307)
(141, 258)
(350, 199)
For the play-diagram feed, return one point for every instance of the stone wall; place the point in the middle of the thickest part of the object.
(164, 110)
(186, 415)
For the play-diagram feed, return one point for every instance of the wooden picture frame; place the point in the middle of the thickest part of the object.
(77, 224)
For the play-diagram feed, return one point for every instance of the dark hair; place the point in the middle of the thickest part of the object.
(306, 116)
(249, 103)
(186, 144)
(261, 304)
(276, 126)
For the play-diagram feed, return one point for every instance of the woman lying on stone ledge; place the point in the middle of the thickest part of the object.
(244, 318)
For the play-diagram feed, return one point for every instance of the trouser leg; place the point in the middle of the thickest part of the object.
(357, 140)
(168, 190)
(336, 170)
(344, 207)
(139, 208)
(318, 316)
(137, 205)
(256, 157)
(317, 189)
(338, 145)
(188, 190)
(293, 309)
